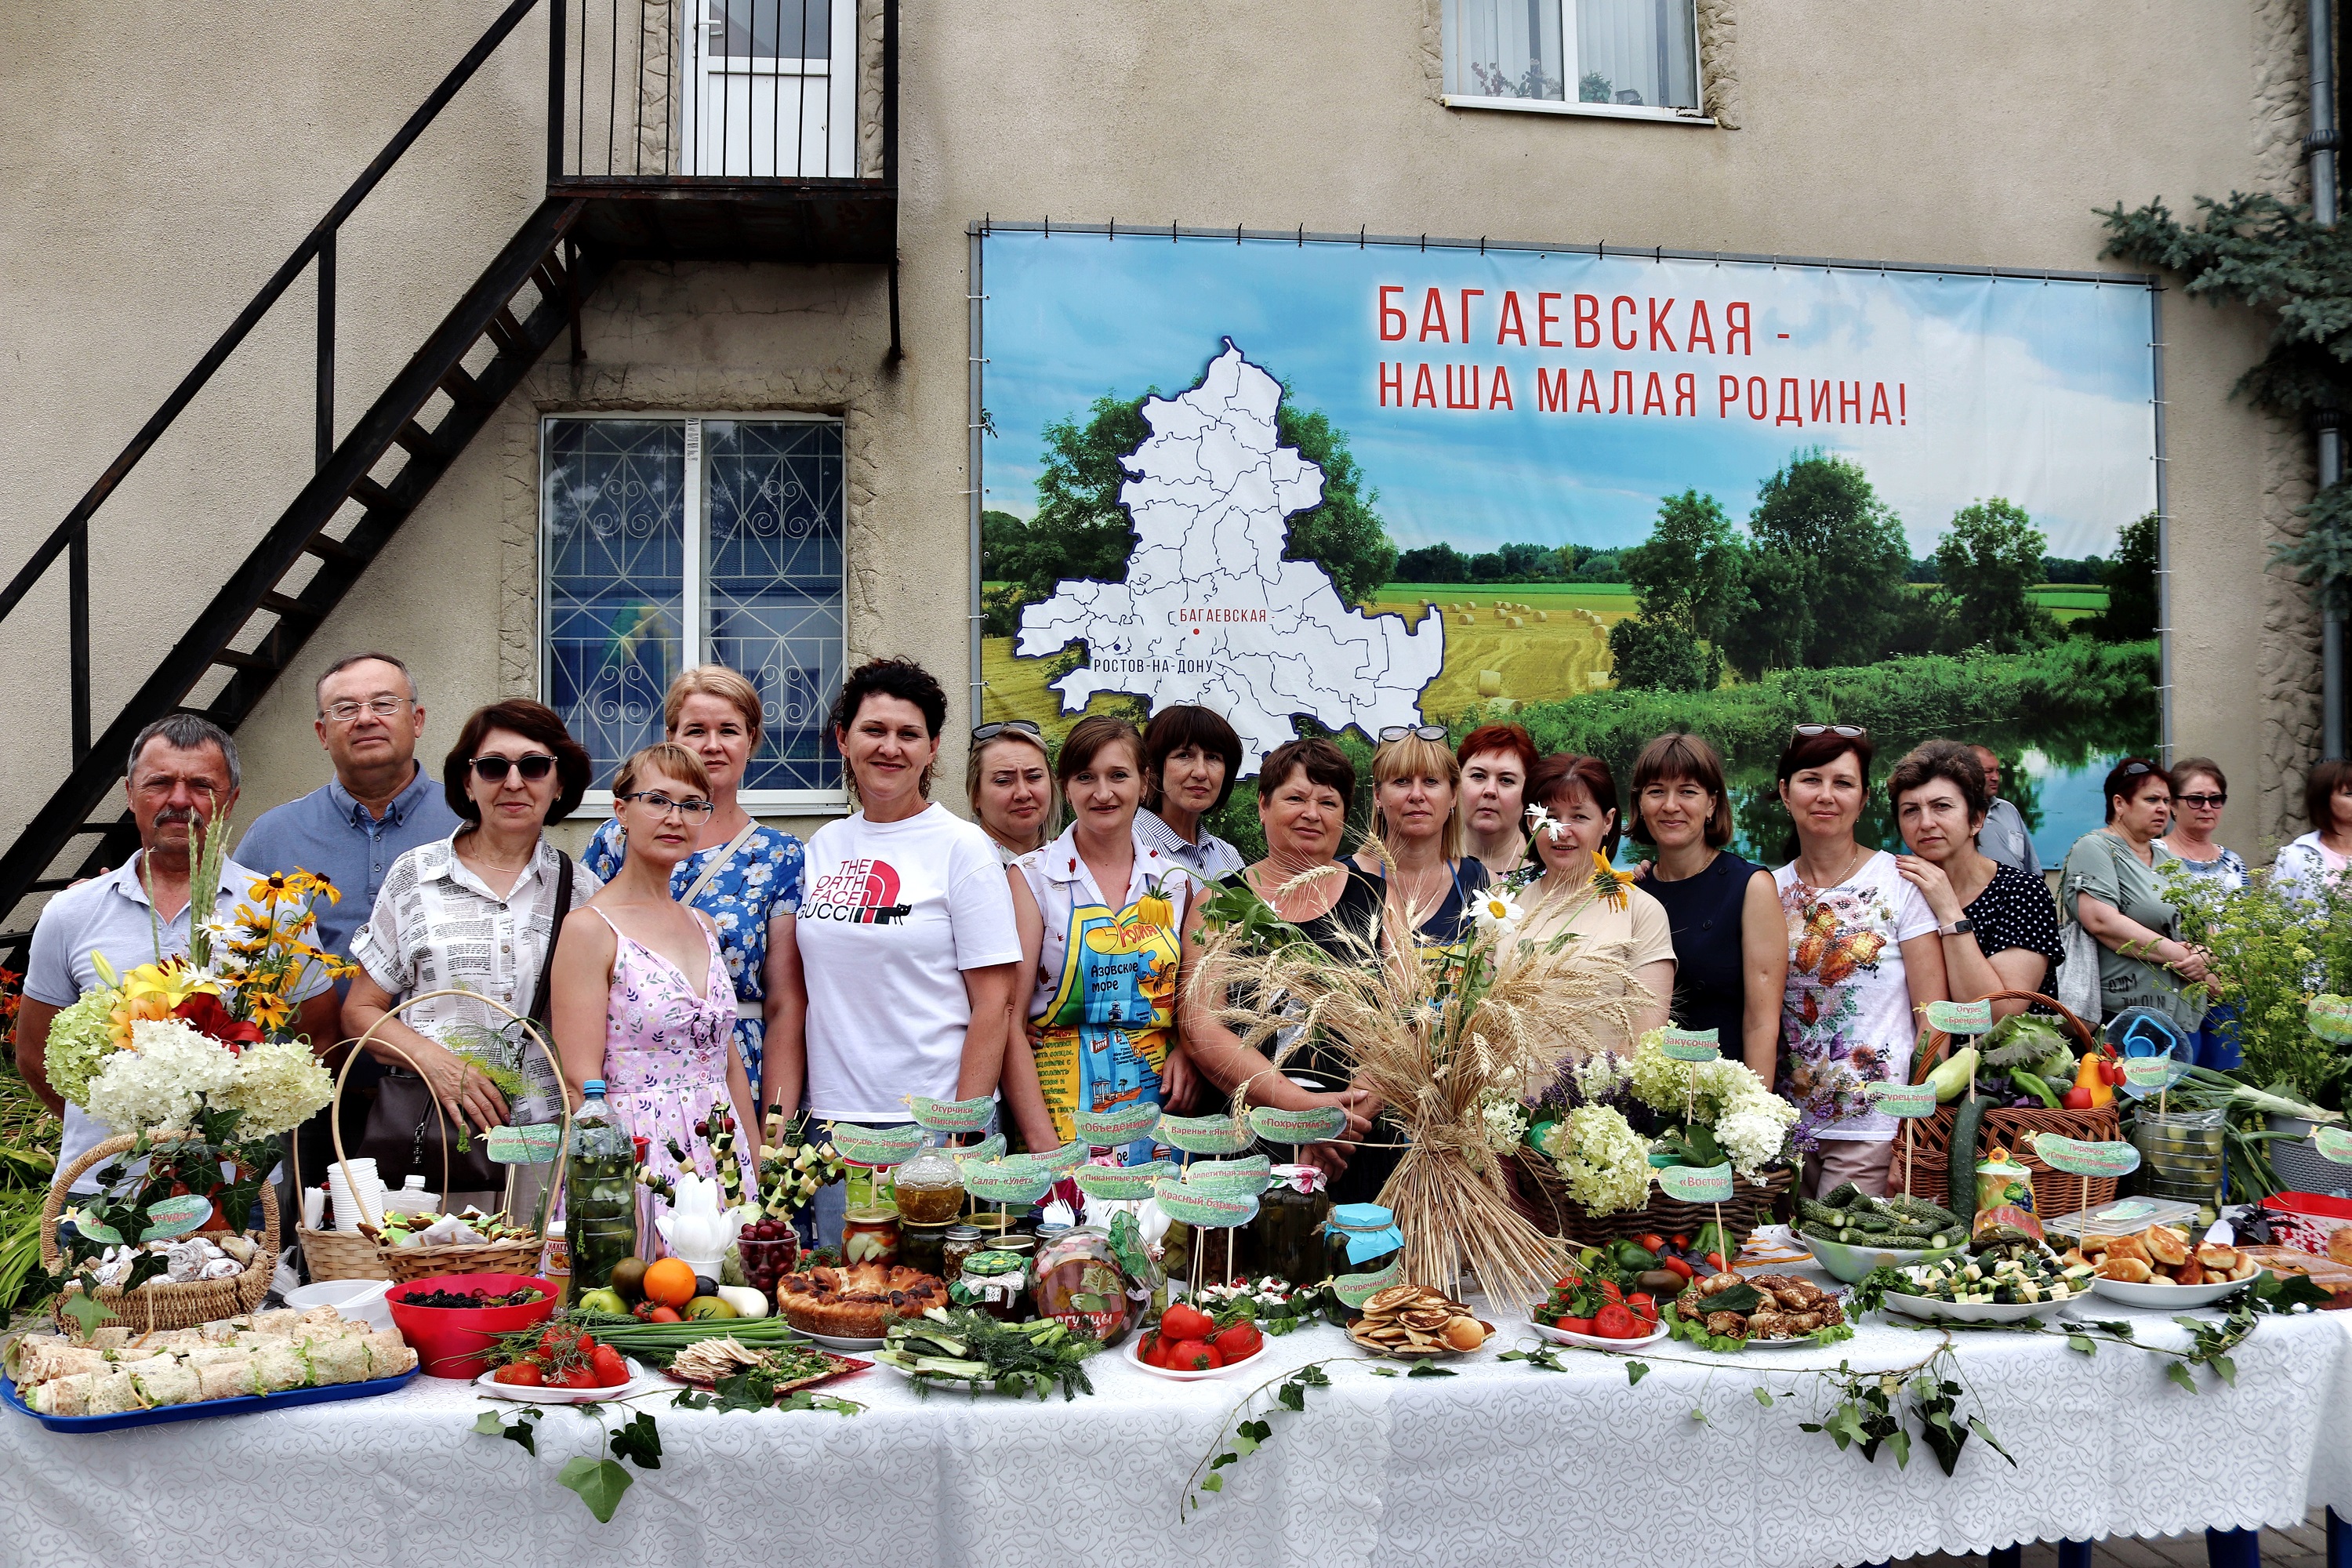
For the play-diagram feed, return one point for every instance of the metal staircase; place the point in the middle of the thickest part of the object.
(527, 296)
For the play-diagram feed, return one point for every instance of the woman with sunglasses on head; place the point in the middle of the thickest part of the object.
(1429, 884)
(2113, 886)
(744, 875)
(475, 912)
(1864, 961)
(1008, 777)
(1191, 758)
(642, 997)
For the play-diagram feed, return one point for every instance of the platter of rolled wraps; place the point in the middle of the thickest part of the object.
(266, 1360)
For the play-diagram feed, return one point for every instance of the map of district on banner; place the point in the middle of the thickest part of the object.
(1336, 487)
(1208, 612)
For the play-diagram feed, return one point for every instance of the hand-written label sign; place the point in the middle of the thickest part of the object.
(1691, 1045)
(2330, 1018)
(176, 1217)
(2336, 1143)
(2077, 1158)
(1905, 1100)
(1697, 1183)
(2144, 1076)
(1319, 1125)
(1960, 1017)
(533, 1145)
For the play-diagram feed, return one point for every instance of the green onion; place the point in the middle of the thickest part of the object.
(655, 1342)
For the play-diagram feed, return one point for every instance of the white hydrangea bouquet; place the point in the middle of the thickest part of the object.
(1722, 1111)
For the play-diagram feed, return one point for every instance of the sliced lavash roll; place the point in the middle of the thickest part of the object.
(56, 1358)
(285, 1320)
(166, 1382)
(65, 1396)
(216, 1356)
(228, 1378)
(175, 1340)
(222, 1331)
(388, 1353)
(321, 1318)
(112, 1394)
(337, 1359)
(112, 1337)
(280, 1367)
(254, 1339)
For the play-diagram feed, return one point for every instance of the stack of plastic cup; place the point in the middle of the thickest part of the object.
(357, 1197)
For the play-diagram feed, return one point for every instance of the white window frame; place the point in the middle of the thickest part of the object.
(1695, 116)
(598, 803)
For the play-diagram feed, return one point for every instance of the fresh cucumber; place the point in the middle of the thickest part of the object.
(1966, 1123)
(1913, 1208)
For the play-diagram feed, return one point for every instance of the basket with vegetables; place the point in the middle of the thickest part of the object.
(2018, 1071)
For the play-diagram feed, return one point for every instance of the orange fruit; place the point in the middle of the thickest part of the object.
(670, 1282)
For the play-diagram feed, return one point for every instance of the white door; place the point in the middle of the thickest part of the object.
(771, 89)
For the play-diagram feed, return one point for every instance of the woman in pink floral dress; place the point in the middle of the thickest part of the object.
(642, 997)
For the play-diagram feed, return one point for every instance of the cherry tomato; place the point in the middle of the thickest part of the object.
(664, 1315)
(611, 1368)
(1677, 1265)
(525, 1374)
(1615, 1322)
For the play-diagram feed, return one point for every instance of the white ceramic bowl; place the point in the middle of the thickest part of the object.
(1134, 1353)
(640, 1382)
(362, 1300)
(2161, 1294)
(1851, 1263)
(1928, 1308)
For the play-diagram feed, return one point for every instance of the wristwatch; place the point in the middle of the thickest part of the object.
(1956, 927)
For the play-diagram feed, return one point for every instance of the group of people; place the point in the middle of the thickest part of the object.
(692, 956)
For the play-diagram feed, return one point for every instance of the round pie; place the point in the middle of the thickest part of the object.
(858, 1302)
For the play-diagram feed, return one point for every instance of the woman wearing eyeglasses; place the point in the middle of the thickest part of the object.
(1864, 961)
(2114, 887)
(746, 876)
(1008, 776)
(475, 912)
(1429, 882)
(641, 992)
(2199, 793)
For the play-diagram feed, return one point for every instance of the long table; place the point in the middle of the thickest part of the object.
(1500, 1463)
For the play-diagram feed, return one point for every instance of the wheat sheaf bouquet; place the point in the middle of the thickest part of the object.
(1452, 1039)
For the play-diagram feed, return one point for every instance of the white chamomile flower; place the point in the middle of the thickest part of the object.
(1495, 910)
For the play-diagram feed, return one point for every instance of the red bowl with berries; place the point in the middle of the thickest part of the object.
(453, 1341)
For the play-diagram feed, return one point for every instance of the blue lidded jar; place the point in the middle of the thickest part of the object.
(1361, 1243)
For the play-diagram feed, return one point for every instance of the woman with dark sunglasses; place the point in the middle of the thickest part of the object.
(474, 912)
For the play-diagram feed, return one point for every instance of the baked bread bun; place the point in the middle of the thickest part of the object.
(858, 1302)
(2131, 1270)
(2165, 1245)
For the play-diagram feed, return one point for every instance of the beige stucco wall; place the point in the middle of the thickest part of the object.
(150, 187)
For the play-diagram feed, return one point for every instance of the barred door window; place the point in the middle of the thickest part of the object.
(668, 543)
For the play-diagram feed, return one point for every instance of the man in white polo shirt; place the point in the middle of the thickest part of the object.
(183, 773)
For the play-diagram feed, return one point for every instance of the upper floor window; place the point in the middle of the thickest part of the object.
(1636, 58)
(667, 542)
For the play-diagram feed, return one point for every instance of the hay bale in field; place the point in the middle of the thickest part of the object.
(1468, 619)
(1490, 683)
(1543, 616)
(1512, 621)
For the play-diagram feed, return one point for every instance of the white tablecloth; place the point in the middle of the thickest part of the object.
(1501, 1464)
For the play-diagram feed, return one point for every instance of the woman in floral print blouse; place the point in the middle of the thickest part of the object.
(748, 876)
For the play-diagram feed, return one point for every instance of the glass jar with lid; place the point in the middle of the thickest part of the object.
(959, 1243)
(1080, 1282)
(927, 1189)
(1359, 1241)
(870, 1236)
(996, 1283)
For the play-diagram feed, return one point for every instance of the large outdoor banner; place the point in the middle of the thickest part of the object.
(1350, 486)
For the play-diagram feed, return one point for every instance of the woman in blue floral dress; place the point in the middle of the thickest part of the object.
(743, 876)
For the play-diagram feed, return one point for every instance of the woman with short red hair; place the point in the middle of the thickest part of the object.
(1497, 760)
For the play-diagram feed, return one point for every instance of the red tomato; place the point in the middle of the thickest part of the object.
(1643, 1307)
(610, 1366)
(1611, 1290)
(1186, 1322)
(1677, 1265)
(1617, 1321)
(664, 1315)
(1575, 1325)
(1238, 1343)
(1194, 1355)
(1650, 1241)
(525, 1374)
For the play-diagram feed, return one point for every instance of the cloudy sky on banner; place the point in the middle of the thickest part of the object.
(2036, 391)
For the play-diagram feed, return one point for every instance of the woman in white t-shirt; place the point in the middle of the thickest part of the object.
(1864, 959)
(2315, 862)
(905, 931)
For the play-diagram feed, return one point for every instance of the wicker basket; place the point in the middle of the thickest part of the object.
(158, 1304)
(352, 1256)
(1543, 1197)
(1929, 1170)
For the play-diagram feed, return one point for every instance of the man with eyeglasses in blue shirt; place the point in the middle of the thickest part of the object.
(350, 829)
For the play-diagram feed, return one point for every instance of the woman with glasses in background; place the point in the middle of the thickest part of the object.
(1428, 882)
(475, 912)
(744, 875)
(1008, 777)
(642, 997)
(2199, 793)
(2114, 887)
